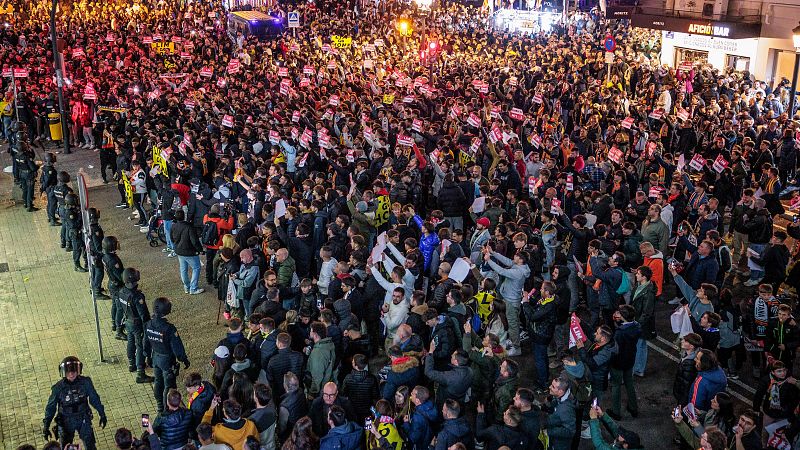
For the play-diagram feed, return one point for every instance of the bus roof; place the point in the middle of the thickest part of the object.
(252, 15)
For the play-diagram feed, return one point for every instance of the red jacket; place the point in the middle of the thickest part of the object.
(223, 227)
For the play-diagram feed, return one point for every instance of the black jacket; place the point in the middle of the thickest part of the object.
(627, 336)
(541, 320)
(185, 239)
(294, 406)
(684, 378)
(283, 362)
(318, 413)
(452, 201)
(361, 387)
(496, 436)
(173, 428)
(445, 337)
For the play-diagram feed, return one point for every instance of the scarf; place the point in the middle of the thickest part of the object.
(640, 288)
(196, 394)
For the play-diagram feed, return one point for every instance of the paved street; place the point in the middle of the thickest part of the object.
(49, 314)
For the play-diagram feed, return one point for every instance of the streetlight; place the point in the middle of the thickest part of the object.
(404, 27)
(793, 94)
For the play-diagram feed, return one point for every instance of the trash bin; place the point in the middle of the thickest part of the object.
(54, 120)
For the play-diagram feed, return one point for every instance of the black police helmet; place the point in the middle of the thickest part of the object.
(110, 244)
(162, 306)
(94, 215)
(50, 158)
(63, 177)
(71, 199)
(130, 277)
(70, 364)
(21, 136)
(19, 126)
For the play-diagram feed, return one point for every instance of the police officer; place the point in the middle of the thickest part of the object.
(18, 130)
(96, 236)
(164, 348)
(114, 268)
(47, 184)
(26, 171)
(136, 315)
(74, 224)
(70, 397)
(60, 193)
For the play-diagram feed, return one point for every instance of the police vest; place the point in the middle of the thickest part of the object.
(73, 399)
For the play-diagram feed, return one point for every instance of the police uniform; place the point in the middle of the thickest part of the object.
(60, 193)
(113, 266)
(26, 171)
(164, 347)
(136, 315)
(96, 247)
(74, 225)
(48, 183)
(71, 400)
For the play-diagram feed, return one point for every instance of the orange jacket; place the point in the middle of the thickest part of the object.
(657, 266)
(223, 227)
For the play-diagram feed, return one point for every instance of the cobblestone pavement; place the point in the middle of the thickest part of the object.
(48, 314)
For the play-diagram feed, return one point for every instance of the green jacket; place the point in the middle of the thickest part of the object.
(363, 222)
(503, 396)
(657, 234)
(319, 369)
(286, 272)
(597, 435)
(687, 434)
(484, 367)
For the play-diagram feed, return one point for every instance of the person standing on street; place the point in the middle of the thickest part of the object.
(224, 225)
(627, 338)
(163, 347)
(26, 171)
(96, 236)
(47, 183)
(60, 193)
(136, 314)
(70, 398)
(187, 247)
(74, 225)
(114, 268)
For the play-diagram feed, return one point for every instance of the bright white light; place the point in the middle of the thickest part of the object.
(136, 90)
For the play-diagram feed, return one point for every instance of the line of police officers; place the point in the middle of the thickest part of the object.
(151, 342)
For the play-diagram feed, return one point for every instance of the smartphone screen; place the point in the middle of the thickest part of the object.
(145, 420)
(367, 423)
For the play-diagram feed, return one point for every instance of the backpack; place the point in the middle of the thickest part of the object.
(624, 285)
(719, 259)
(210, 233)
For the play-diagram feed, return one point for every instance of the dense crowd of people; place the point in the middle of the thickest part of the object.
(392, 215)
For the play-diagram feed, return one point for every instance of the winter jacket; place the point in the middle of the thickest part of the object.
(453, 383)
(780, 406)
(644, 302)
(496, 436)
(451, 200)
(626, 338)
(292, 407)
(597, 359)
(541, 319)
(786, 333)
(266, 420)
(684, 376)
(454, 431)
(774, 259)
(232, 434)
(438, 299)
(404, 372)
(503, 396)
(561, 422)
(395, 317)
(173, 428)
(485, 367)
(656, 264)
(446, 341)
(419, 429)
(286, 271)
(630, 247)
(318, 413)
(344, 437)
(200, 404)
(513, 277)
(707, 384)
(246, 368)
(758, 227)
(320, 368)
(361, 387)
(611, 279)
(223, 227)
(184, 239)
(245, 280)
(701, 270)
(597, 435)
(656, 233)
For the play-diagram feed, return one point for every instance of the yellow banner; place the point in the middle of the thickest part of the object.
(169, 64)
(158, 160)
(382, 213)
(163, 48)
(341, 41)
(128, 189)
(388, 99)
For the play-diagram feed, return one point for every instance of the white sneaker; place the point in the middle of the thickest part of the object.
(514, 351)
(752, 282)
(586, 433)
(185, 290)
(197, 291)
(172, 255)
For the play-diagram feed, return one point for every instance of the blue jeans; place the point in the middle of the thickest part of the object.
(759, 248)
(185, 263)
(542, 365)
(167, 230)
(640, 363)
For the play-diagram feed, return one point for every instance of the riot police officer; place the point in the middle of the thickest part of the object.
(47, 184)
(114, 268)
(18, 130)
(96, 253)
(74, 224)
(26, 171)
(164, 348)
(60, 193)
(70, 398)
(136, 315)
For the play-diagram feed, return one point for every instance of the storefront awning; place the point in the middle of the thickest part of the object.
(730, 30)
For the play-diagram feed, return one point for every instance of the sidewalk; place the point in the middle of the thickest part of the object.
(48, 314)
